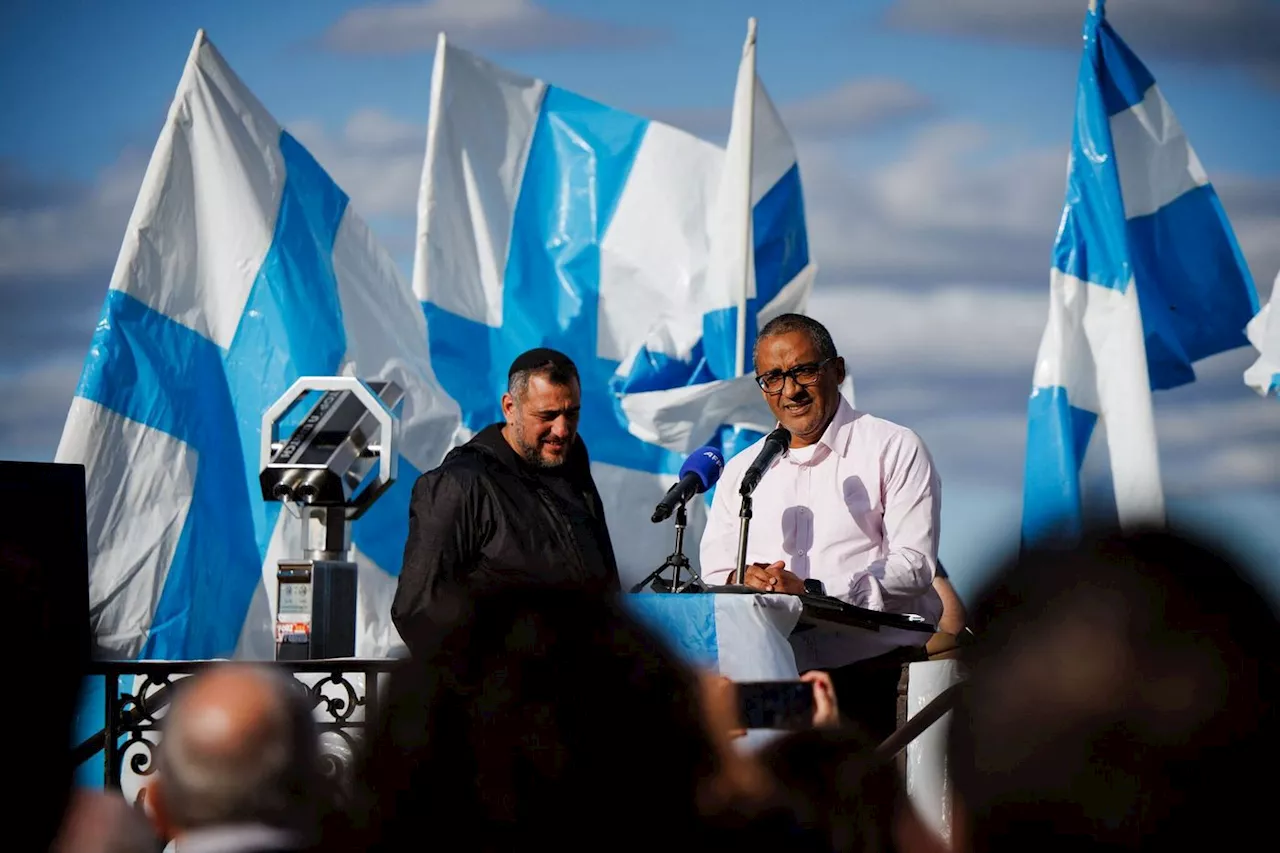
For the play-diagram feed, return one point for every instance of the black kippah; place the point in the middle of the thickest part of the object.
(539, 357)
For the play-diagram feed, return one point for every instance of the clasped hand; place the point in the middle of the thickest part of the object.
(773, 577)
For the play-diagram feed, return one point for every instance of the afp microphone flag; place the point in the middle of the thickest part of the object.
(243, 268)
(698, 474)
(1147, 278)
(548, 219)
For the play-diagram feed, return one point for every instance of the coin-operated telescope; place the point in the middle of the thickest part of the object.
(326, 467)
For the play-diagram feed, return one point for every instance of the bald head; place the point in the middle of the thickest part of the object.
(231, 716)
(239, 745)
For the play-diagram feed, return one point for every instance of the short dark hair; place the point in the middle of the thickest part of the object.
(832, 780)
(556, 367)
(785, 324)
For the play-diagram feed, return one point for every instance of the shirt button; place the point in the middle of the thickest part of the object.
(800, 553)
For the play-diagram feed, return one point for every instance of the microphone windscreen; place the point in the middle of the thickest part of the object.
(707, 463)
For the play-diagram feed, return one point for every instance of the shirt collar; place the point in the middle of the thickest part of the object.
(228, 838)
(835, 437)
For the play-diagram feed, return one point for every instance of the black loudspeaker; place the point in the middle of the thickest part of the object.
(44, 608)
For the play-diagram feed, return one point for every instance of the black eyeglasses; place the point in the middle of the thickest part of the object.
(802, 374)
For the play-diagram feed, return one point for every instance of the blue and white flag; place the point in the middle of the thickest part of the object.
(1147, 278)
(243, 267)
(691, 374)
(1263, 330)
(547, 219)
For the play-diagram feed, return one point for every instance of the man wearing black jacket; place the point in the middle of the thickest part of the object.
(515, 505)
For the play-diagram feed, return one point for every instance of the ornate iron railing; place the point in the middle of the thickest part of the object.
(344, 694)
(343, 707)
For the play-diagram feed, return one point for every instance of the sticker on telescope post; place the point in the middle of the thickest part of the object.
(295, 598)
(293, 632)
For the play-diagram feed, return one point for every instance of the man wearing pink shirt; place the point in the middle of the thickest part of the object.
(853, 504)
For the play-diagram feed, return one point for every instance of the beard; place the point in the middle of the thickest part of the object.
(531, 452)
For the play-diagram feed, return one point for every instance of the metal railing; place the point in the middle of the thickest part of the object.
(343, 706)
(343, 693)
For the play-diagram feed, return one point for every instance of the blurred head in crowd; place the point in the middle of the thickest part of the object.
(104, 822)
(536, 718)
(239, 748)
(832, 781)
(1122, 696)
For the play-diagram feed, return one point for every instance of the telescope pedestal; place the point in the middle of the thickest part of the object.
(316, 596)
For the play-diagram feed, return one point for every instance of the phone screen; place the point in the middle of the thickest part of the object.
(775, 704)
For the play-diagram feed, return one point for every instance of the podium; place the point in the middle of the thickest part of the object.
(752, 636)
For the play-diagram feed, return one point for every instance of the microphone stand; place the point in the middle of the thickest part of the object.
(676, 561)
(744, 515)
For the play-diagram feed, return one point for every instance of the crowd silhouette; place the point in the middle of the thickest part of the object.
(1118, 695)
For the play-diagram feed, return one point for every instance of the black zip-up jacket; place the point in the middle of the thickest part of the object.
(485, 519)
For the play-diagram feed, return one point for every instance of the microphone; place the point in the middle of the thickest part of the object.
(698, 473)
(775, 445)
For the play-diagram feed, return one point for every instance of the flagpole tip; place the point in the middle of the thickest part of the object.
(201, 39)
(751, 29)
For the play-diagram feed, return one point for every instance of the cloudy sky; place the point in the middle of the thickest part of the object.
(932, 137)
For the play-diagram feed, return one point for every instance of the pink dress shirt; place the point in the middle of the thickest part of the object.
(857, 510)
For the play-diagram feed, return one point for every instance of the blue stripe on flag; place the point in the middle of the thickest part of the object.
(1090, 244)
(656, 371)
(1194, 289)
(381, 533)
(781, 252)
(686, 622)
(153, 370)
(90, 714)
(291, 327)
(292, 320)
(1057, 436)
(1124, 80)
(579, 160)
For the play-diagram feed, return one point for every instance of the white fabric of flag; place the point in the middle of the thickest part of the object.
(1147, 278)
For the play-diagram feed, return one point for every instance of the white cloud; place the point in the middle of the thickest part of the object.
(854, 106)
(502, 25)
(375, 158)
(957, 204)
(75, 231)
(954, 362)
(36, 406)
(1240, 465)
(948, 179)
(950, 328)
(1187, 423)
(960, 203)
(1242, 31)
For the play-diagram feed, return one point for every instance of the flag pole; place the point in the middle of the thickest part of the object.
(749, 57)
